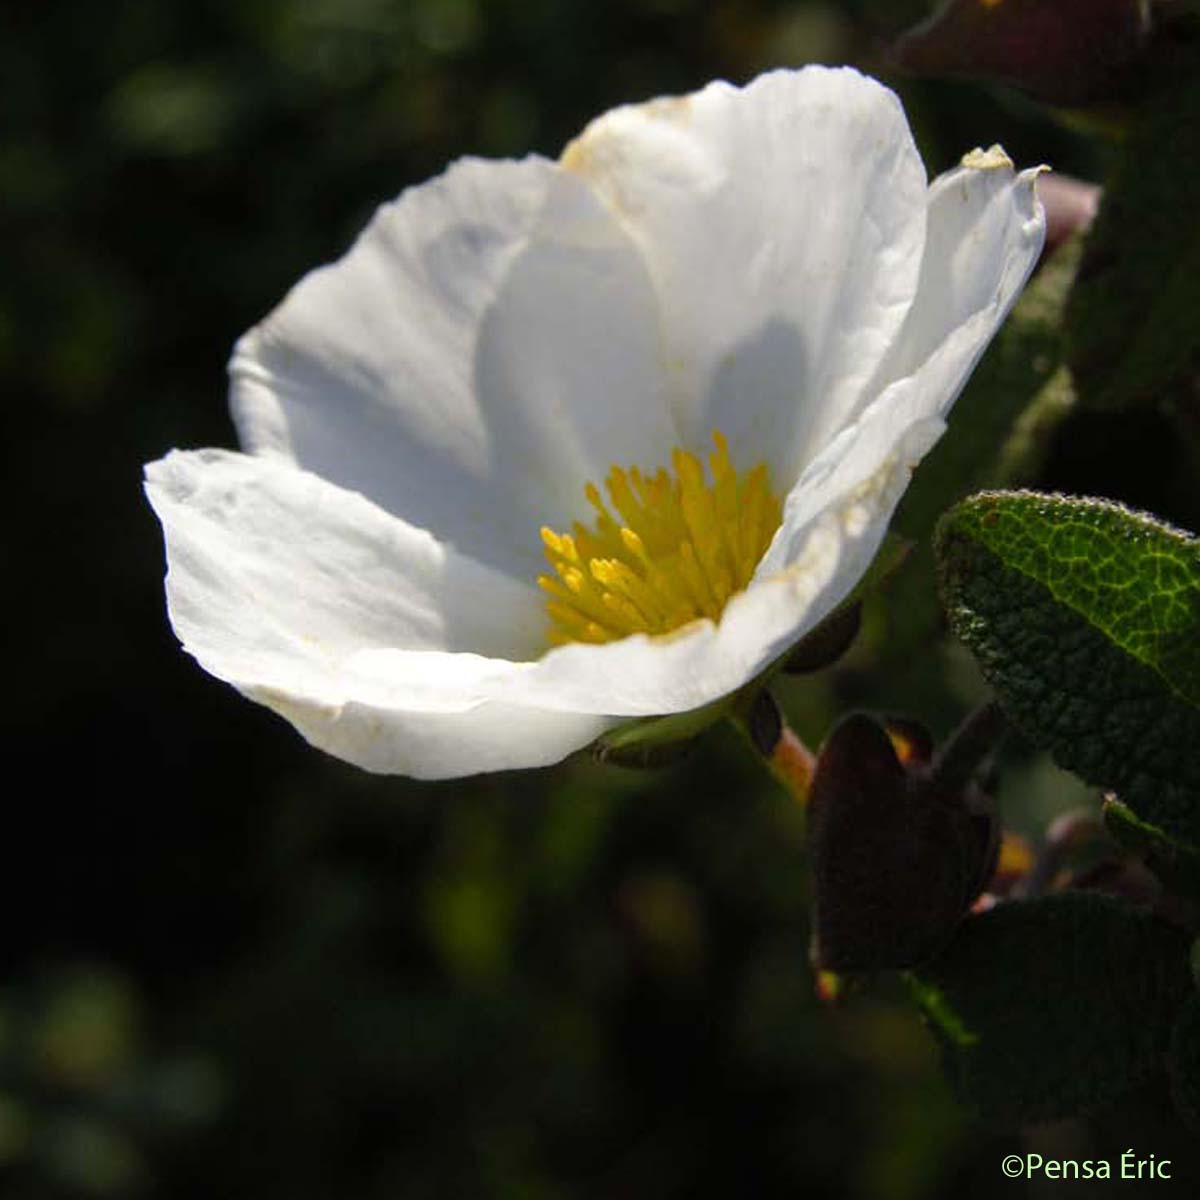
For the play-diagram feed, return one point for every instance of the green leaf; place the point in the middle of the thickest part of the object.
(1131, 323)
(658, 741)
(1050, 1007)
(1085, 618)
(1185, 1063)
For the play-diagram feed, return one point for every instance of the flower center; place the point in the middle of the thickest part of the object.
(677, 550)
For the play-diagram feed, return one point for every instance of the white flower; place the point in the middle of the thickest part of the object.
(763, 269)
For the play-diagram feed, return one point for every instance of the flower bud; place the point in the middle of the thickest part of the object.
(898, 856)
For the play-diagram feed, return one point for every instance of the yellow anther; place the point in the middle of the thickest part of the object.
(680, 549)
(634, 545)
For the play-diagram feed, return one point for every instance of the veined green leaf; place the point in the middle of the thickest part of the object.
(1085, 618)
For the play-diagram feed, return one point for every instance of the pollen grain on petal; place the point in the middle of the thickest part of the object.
(665, 549)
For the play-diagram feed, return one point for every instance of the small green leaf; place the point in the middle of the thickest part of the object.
(658, 741)
(1085, 618)
(1050, 1007)
(1185, 1063)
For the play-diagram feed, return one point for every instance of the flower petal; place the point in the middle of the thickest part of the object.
(487, 346)
(834, 522)
(860, 477)
(281, 580)
(985, 233)
(295, 591)
(438, 745)
(746, 260)
(783, 225)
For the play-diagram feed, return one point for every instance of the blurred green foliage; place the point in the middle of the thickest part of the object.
(234, 967)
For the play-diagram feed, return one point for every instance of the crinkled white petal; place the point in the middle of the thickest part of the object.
(279, 579)
(860, 476)
(783, 225)
(298, 592)
(985, 233)
(488, 344)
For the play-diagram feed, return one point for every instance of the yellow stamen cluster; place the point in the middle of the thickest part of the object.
(679, 550)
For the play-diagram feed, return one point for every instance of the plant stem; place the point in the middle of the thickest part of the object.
(788, 759)
(968, 746)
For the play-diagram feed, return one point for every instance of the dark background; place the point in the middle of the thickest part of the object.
(234, 967)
